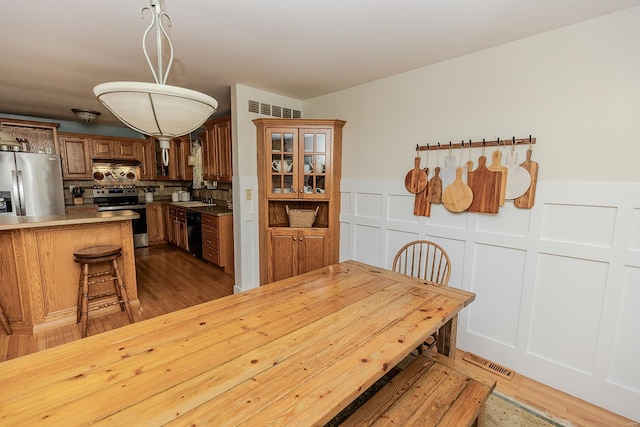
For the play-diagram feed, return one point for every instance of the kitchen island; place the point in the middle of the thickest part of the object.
(39, 286)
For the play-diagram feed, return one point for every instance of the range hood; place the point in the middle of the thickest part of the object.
(115, 162)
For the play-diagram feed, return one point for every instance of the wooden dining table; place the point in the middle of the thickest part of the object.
(293, 352)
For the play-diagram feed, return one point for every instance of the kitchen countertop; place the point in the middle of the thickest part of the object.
(216, 210)
(19, 222)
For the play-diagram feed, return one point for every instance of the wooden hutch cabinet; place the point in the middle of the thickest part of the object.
(299, 166)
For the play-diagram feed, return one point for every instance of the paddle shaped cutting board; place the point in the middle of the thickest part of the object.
(448, 173)
(485, 185)
(435, 187)
(527, 199)
(496, 166)
(458, 196)
(518, 178)
(416, 180)
(421, 204)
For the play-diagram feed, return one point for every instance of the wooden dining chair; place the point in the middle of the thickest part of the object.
(426, 261)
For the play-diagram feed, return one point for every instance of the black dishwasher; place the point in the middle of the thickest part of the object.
(194, 233)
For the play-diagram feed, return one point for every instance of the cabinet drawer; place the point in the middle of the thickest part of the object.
(208, 231)
(181, 213)
(211, 254)
(211, 241)
(172, 211)
(210, 220)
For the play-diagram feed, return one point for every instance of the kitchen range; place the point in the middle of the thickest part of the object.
(115, 190)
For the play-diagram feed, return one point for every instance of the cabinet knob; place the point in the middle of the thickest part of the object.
(301, 239)
(294, 238)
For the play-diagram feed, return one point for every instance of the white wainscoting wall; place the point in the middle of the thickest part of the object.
(557, 286)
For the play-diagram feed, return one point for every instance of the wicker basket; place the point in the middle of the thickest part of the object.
(302, 218)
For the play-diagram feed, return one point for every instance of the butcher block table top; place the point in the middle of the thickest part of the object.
(294, 352)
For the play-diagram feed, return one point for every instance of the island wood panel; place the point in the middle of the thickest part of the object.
(12, 255)
(47, 277)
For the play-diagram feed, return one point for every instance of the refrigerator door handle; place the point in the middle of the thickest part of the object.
(18, 189)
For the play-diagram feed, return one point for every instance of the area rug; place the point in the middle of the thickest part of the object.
(503, 411)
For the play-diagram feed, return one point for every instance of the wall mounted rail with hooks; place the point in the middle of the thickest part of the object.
(476, 144)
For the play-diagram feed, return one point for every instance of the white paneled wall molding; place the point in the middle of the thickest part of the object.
(557, 287)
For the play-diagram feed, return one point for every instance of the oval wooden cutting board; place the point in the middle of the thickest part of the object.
(496, 166)
(458, 196)
(527, 200)
(518, 178)
(416, 180)
(485, 185)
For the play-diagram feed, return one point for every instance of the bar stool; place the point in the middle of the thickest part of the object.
(4, 321)
(97, 255)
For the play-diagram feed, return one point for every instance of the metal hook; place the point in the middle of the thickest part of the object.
(484, 144)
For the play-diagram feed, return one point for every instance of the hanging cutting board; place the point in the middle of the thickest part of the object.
(458, 196)
(518, 178)
(416, 180)
(485, 185)
(448, 173)
(527, 199)
(468, 167)
(435, 187)
(421, 205)
(496, 166)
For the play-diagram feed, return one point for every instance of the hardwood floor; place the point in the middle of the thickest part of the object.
(169, 279)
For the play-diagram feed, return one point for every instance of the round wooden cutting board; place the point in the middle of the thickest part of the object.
(458, 196)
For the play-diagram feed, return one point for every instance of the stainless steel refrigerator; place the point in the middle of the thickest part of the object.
(30, 184)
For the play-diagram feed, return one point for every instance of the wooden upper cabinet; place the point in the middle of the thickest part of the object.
(112, 148)
(75, 152)
(145, 154)
(102, 148)
(184, 171)
(125, 149)
(216, 150)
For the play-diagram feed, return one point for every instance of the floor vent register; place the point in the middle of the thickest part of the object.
(489, 365)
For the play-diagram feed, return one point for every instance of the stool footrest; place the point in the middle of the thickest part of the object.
(108, 279)
(103, 295)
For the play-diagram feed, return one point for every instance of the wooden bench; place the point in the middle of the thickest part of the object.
(430, 391)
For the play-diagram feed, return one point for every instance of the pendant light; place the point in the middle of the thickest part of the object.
(157, 109)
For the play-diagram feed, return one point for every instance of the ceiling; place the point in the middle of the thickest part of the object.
(55, 52)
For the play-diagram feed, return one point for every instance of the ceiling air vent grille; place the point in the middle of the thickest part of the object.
(257, 107)
(254, 107)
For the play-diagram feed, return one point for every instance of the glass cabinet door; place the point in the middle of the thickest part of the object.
(315, 159)
(283, 163)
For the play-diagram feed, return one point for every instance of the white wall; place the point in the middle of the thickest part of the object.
(245, 181)
(576, 89)
(557, 286)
